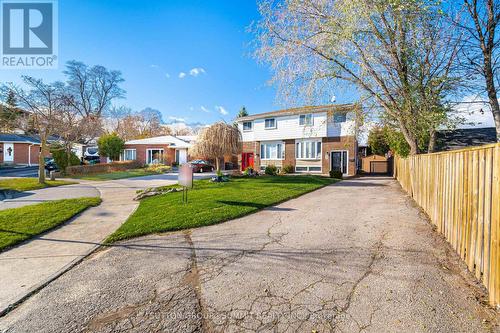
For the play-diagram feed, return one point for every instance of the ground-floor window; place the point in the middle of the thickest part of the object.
(155, 156)
(308, 150)
(272, 151)
(129, 155)
(307, 169)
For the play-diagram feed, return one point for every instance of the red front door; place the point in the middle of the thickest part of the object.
(246, 160)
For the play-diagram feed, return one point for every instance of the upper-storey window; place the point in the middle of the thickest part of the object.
(247, 126)
(306, 119)
(339, 118)
(270, 123)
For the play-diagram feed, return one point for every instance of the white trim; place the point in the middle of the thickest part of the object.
(278, 158)
(308, 168)
(122, 156)
(275, 123)
(27, 142)
(305, 115)
(315, 141)
(243, 126)
(5, 151)
(151, 149)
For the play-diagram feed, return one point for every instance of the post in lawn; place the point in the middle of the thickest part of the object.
(185, 180)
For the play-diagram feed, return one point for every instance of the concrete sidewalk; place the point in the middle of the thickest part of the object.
(29, 266)
(83, 189)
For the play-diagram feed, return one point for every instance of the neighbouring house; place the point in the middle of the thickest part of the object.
(166, 149)
(312, 139)
(19, 149)
(464, 137)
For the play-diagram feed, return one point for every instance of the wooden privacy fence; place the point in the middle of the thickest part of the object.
(460, 191)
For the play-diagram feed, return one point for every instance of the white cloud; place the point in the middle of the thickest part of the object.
(221, 110)
(177, 119)
(182, 75)
(196, 71)
(475, 112)
(154, 66)
(167, 75)
(204, 109)
(191, 108)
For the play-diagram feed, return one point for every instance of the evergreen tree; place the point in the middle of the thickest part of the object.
(243, 112)
(9, 113)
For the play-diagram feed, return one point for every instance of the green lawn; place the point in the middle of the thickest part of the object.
(19, 224)
(115, 175)
(211, 203)
(28, 184)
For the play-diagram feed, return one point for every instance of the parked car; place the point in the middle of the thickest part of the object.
(91, 155)
(201, 166)
(50, 164)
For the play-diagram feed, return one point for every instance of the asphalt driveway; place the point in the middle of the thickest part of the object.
(355, 256)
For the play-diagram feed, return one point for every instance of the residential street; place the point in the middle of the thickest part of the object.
(351, 257)
(19, 172)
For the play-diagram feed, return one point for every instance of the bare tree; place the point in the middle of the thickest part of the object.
(130, 125)
(481, 49)
(44, 103)
(217, 141)
(399, 54)
(92, 88)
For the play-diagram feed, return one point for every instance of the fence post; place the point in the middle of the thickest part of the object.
(494, 287)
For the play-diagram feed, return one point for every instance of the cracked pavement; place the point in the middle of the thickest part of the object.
(357, 256)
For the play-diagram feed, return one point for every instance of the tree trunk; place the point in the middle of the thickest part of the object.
(496, 116)
(432, 142)
(492, 93)
(410, 139)
(217, 164)
(41, 159)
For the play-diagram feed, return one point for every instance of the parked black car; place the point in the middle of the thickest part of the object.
(50, 164)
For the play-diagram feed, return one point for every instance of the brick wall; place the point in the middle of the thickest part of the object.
(335, 143)
(251, 147)
(340, 143)
(22, 153)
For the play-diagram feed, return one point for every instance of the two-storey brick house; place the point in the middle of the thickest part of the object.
(313, 139)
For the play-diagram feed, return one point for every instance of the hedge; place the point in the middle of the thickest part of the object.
(102, 168)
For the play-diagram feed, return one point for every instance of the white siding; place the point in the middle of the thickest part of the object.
(287, 127)
(342, 129)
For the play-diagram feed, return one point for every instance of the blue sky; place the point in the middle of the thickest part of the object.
(152, 42)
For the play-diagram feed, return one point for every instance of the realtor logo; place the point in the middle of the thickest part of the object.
(29, 34)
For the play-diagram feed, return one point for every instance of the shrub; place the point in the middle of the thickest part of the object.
(336, 174)
(288, 169)
(61, 158)
(110, 145)
(271, 170)
(248, 171)
(158, 168)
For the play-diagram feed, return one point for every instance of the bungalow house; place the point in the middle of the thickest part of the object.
(313, 139)
(166, 149)
(20, 149)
